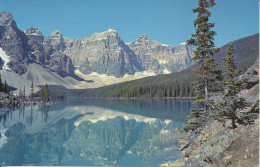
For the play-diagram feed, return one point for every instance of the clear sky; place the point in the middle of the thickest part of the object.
(167, 21)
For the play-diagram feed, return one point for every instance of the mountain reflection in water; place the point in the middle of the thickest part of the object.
(94, 132)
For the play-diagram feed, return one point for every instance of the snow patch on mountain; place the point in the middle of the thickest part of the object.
(166, 71)
(5, 58)
(3, 137)
(162, 61)
(98, 80)
(165, 45)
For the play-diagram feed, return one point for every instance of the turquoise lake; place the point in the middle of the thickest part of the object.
(93, 132)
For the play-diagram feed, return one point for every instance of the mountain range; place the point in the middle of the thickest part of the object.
(101, 53)
(178, 84)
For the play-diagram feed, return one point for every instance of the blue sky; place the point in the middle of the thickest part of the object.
(167, 21)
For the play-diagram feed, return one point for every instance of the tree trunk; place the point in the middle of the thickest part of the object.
(206, 95)
(234, 123)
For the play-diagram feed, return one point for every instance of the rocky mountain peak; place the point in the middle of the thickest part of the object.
(57, 41)
(161, 58)
(14, 42)
(33, 31)
(6, 19)
(109, 34)
(143, 36)
(144, 40)
(111, 30)
(103, 53)
(109, 38)
(56, 34)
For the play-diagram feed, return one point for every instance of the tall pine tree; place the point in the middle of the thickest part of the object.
(45, 95)
(206, 72)
(32, 91)
(205, 48)
(231, 103)
(24, 93)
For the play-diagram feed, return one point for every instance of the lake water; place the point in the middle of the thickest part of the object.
(93, 132)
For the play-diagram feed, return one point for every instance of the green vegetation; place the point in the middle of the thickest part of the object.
(206, 71)
(231, 103)
(226, 108)
(228, 103)
(32, 92)
(45, 94)
(173, 85)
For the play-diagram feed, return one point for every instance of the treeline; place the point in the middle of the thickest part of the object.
(44, 94)
(171, 85)
(5, 87)
(178, 84)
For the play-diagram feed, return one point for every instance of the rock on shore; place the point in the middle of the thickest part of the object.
(217, 144)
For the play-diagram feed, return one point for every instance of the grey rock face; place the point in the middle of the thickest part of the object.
(48, 52)
(14, 43)
(35, 40)
(31, 46)
(56, 40)
(104, 53)
(61, 64)
(157, 57)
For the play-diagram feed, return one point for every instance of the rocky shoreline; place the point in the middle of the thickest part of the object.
(13, 103)
(217, 144)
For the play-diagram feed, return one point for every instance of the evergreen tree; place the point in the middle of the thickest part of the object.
(20, 93)
(205, 48)
(46, 96)
(43, 97)
(6, 87)
(32, 91)
(1, 86)
(206, 72)
(227, 107)
(24, 93)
